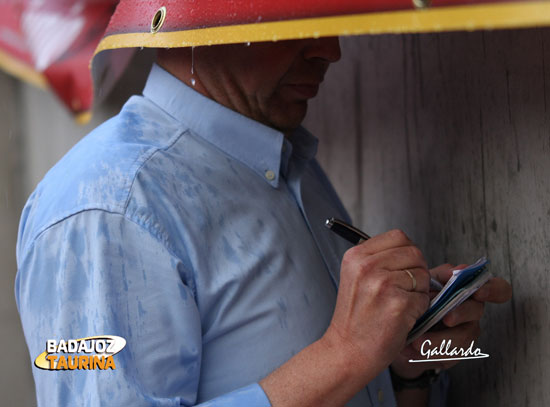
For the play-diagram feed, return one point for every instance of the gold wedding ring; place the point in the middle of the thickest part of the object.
(412, 278)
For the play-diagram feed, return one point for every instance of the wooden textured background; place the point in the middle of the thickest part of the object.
(447, 137)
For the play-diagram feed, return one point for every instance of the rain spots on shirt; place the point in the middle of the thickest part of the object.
(103, 231)
(283, 314)
(141, 310)
(80, 382)
(109, 395)
(130, 323)
(134, 121)
(75, 285)
(289, 259)
(120, 251)
(104, 183)
(229, 251)
(232, 168)
(124, 281)
(197, 188)
(77, 241)
(189, 186)
(82, 323)
(306, 300)
(212, 189)
(188, 356)
(64, 392)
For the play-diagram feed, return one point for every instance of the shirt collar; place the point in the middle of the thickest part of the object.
(260, 147)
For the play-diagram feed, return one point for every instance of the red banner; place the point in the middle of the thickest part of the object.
(50, 43)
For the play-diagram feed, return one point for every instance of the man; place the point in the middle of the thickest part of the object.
(191, 224)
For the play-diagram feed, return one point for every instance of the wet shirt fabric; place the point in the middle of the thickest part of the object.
(194, 233)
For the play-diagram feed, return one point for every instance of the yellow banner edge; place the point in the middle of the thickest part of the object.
(452, 18)
(22, 71)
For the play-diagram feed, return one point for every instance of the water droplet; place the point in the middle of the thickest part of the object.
(316, 34)
(275, 38)
(141, 48)
(248, 44)
(192, 59)
(193, 81)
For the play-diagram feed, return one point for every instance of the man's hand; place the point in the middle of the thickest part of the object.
(375, 309)
(376, 305)
(461, 325)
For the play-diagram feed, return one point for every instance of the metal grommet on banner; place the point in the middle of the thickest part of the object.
(158, 19)
(422, 3)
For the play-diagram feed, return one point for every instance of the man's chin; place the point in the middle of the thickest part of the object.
(290, 119)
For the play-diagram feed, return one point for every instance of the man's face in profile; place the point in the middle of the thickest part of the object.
(269, 82)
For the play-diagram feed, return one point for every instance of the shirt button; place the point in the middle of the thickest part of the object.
(380, 395)
(270, 175)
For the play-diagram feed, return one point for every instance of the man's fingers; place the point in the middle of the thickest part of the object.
(405, 282)
(440, 271)
(419, 303)
(444, 272)
(468, 311)
(398, 258)
(495, 290)
(384, 241)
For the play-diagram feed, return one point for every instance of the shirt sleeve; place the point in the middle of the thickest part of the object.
(99, 273)
(439, 390)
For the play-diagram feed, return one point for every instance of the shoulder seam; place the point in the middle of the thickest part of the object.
(69, 214)
(146, 159)
(154, 234)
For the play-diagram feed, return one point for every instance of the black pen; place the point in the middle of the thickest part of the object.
(356, 236)
(345, 230)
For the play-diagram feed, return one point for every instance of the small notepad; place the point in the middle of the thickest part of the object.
(462, 284)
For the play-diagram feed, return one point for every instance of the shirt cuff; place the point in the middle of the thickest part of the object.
(439, 390)
(251, 396)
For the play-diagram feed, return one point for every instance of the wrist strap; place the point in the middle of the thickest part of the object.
(421, 382)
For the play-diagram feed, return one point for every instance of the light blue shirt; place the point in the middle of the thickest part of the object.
(197, 235)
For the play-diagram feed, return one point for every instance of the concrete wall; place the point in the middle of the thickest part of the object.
(16, 387)
(447, 136)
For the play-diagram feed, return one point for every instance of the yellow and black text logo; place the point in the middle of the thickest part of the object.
(91, 353)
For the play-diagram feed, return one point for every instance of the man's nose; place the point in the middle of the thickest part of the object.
(327, 48)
